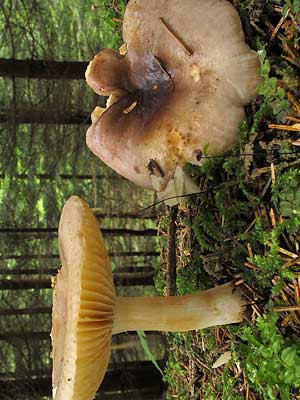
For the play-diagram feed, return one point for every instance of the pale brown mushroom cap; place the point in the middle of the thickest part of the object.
(189, 74)
(83, 306)
(112, 67)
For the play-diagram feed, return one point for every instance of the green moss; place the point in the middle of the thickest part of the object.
(286, 197)
(223, 387)
(271, 363)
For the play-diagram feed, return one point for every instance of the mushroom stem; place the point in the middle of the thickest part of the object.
(216, 306)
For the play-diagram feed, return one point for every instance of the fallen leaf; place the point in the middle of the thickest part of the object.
(223, 359)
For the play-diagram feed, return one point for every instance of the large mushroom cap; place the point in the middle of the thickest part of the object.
(184, 81)
(83, 306)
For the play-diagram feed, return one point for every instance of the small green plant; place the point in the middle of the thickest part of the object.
(274, 100)
(175, 372)
(224, 387)
(110, 14)
(291, 5)
(271, 363)
(286, 196)
(143, 339)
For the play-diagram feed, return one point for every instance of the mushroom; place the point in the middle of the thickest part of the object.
(86, 311)
(178, 91)
(83, 306)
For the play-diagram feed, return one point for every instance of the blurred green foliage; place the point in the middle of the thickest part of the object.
(42, 165)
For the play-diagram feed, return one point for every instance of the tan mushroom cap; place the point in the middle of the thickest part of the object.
(183, 82)
(83, 306)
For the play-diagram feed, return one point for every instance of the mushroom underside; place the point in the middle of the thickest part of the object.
(83, 306)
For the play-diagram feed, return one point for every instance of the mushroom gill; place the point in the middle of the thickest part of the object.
(180, 88)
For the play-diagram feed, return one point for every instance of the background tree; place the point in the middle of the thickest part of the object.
(44, 160)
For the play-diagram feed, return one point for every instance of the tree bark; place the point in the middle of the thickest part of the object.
(120, 279)
(8, 336)
(25, 311)
(47, 116)
(45, 335)
(134, 278)
(105, 231)
(24, 284)
(56, 256)
(53, 177)
(28, 271)
(141, 215)
(53, 271)
(29, 256)
(125, 377)
(171, 254)
(142, 268)
(42, 69)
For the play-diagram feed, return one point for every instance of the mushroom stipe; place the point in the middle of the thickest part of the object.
(86, 311)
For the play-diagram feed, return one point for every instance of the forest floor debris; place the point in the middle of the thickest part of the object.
(244, 225)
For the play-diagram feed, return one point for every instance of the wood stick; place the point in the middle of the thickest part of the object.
(176, 37)
(171, 274)
(285, 127)
(287, 308)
